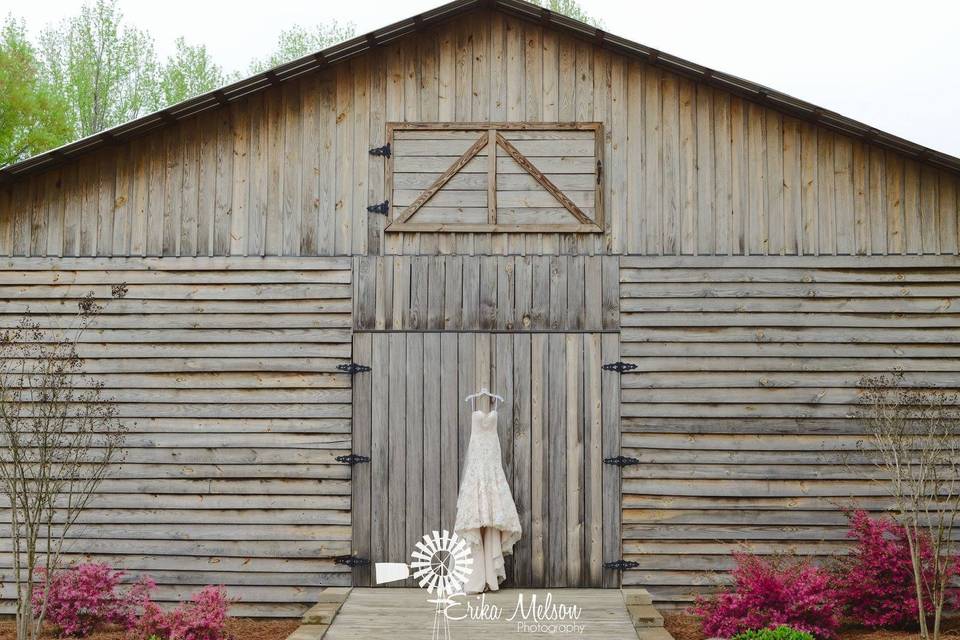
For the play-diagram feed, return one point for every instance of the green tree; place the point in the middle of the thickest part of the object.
(298, 41)
(571, 9)
(188, 72)
(31, 114)
(106, 71)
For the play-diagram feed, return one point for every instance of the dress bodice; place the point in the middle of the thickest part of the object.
(484, 421)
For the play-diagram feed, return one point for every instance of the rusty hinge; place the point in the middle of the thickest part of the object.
(599, 170)
(352, 459)
(619, 367)
(621, 461)
(383, 208)
(383, 151)
(353, 367)
(621, 565)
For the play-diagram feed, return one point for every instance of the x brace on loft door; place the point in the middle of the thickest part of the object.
(491, 138)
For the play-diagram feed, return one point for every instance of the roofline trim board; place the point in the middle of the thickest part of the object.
(361, 44)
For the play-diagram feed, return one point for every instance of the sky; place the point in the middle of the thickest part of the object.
(892, 65)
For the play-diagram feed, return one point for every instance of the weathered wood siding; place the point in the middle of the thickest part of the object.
(740, 409)
(486, 293)
(559, 420)
(690, 169)
(225, 375)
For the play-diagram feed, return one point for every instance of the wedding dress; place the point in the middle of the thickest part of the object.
(486, 514)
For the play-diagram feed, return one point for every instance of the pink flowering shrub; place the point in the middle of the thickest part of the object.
(203, 618)
(875, 582)
(768, 593)
(83, 598)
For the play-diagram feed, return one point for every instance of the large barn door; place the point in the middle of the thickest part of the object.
(560, 420)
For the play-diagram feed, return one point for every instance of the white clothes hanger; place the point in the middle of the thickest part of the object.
(472, 398)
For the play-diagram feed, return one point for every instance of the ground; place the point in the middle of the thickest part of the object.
(687, 627)
(237, 628)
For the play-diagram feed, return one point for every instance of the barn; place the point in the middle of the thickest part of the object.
(674, 276)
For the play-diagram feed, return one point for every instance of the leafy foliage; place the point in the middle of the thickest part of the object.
(84, 598)
(203, 618)
(876, 581)
(188, 72)
(571, 9)
(783, 632)
(298, 41)
(768, 593)
(32, 115)
(106, 71)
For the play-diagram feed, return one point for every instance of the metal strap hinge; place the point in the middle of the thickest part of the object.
(351, 561)
(619, 367)
(621, 565)
(383, 151)
(383, 208)
(353, 367)
(352, 459)
(621, 461)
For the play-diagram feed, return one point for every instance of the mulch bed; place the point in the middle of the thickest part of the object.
(237, 628)
(686, 627)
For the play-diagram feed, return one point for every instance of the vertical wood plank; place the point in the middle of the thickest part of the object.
(893, 172)
(380, 477)
(397, 436)
(361, 156)
(273, 221)
(522, 452)
(345, 206)
(740, 212)
(292, 199)
(843, 185)
(436, 288)
(240, 196)
(362, 442)
(757, 230)
(687, 151)
(122, 208)
(557, 462)
(539, 456)
(876, 202)
(706, 203)
(259, 177)
(418, 468)
(450, 416)
(947, 202)
(929, 226)
(187, 208)
(207, 183)
(774, 171)
(636, 219)
(453, 306)
(810, 215)
(826, 198)
(593, 461)
(575, 458)
(376, 166)
(653, 161)
(861, 216)
(223, 203)
(671, 164)
(433, 458)
(792, 188)
(327, 210)
(610, 416)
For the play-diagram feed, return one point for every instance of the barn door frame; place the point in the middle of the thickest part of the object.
(412, 401)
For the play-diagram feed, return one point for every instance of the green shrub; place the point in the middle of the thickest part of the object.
(783, 632)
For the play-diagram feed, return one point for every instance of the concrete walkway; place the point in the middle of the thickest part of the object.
(405, 614)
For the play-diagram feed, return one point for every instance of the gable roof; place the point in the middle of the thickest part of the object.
(518, 8)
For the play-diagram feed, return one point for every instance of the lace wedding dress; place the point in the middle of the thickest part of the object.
(486, 514)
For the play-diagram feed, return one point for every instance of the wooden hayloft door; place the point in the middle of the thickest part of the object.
(560, 419)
